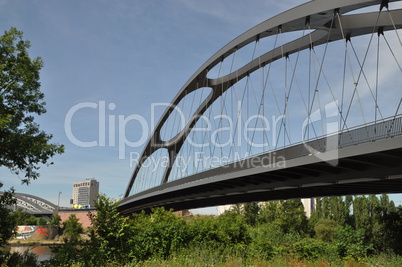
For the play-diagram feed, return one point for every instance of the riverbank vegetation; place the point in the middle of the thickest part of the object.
(343, 231)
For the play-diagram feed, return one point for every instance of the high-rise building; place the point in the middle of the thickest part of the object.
(85, 193)
(309, 206)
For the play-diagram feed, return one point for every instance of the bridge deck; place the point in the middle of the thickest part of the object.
(368, 165)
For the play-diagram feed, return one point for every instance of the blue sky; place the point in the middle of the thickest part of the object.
(125, 54)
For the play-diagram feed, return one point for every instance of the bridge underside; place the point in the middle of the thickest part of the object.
(369, 168)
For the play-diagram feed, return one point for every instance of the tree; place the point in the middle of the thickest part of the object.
(55, 220)
(251, 213)
(325, 229)
(350, 243)
(110, 230)
(7, 223)
(361, 214)
(42, 221)
(289, 215)
(24, 147)
(269, 212)
(22, 217)
(236, 209)
(72, 228)
(292, 216)
(159, 234)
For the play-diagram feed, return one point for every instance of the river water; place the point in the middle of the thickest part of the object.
(43, 252)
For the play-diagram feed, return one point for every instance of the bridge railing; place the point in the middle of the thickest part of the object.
(370, 132)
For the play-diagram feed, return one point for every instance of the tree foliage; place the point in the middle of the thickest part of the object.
(157, 235)
(350, 243)
(24, 147)
(72, 229)
(279, 232)
(251, 211)
(55, 220)
(376, 217)
(22, 217)
(7, 222)
(326, 229)
(110, 230)
(288, 214)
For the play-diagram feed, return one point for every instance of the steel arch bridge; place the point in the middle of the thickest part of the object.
(33, 204)
(305, 104)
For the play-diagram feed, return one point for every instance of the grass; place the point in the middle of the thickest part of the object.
(234, 262)
(202, 258)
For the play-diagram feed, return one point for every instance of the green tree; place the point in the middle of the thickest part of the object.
(110, 231)
(361, 212)
(390, 234)
(325, 229)
(55, 220)
(350, 243)
(288, 214)
(332, 208)
(72, 228)
(269, 211)
(339, 210)
(42, 221)
(237, 209)
(24, 147)
(386, 206)
(224, 234)
(22, 217)
(251, 211)
(7, 222)
(386, 231)
(27, 258)
(292, 216)
(157, 235)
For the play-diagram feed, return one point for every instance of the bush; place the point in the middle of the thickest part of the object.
(20, 259)
(350, 243)
(42, 221)
(325, 229)
(312, 250)
(266, 240)
(72, 228)
(157, 235)
(227, 233)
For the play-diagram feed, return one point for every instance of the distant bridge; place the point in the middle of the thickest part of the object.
(33, 204)
(305, 104)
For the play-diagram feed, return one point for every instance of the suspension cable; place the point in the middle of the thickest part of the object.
(355, 91)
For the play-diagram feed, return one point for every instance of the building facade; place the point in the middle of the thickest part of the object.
(309, 206)
(85, 193)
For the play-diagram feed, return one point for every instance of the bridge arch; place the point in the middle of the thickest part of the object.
(321, 23)
(34, 204)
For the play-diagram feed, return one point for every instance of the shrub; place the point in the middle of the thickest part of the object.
(350, 243)
(311, 249)
(20, 259)
(72, 228)
(157, 235)
(325, 229)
